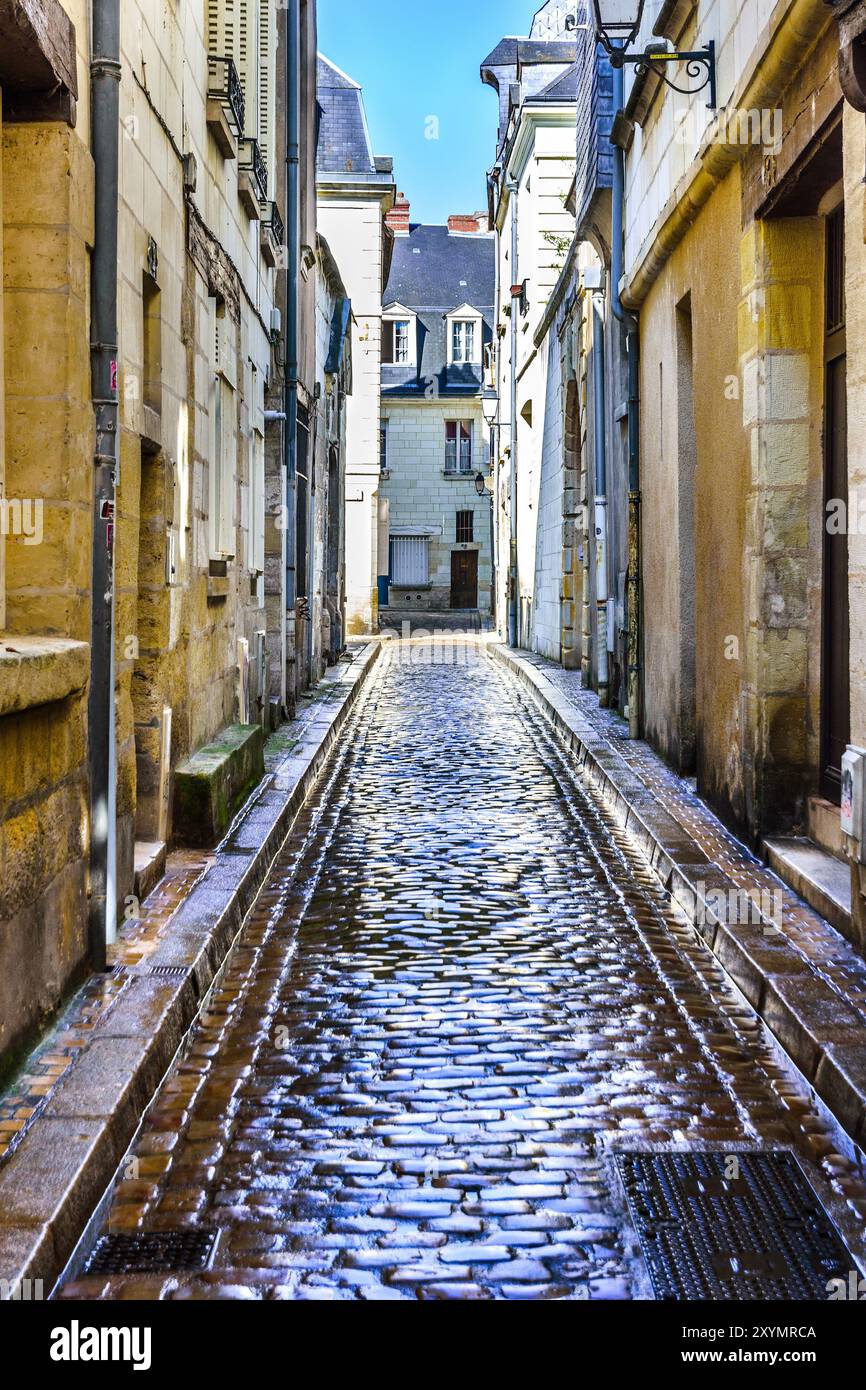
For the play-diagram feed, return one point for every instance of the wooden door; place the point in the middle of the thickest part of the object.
(464, 579)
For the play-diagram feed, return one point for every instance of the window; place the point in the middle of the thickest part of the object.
(223, 436)
(257, 475)
(463, 340)
(464, 527)
(409, 560)
(383, 446)
(458, 446)
(395, 341)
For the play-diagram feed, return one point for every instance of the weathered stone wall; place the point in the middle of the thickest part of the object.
(46, 180)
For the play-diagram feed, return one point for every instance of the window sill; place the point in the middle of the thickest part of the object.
(40, 671)
(458, 476)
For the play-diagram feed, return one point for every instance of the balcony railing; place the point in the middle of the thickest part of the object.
(252, 162)
(273, 232)
(224, 85)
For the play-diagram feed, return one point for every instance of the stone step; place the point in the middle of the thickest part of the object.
(819, 877)
(150, 856)
(211, 785)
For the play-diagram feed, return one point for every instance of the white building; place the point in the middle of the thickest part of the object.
(434, 448)
(355, 190)
(529, 186)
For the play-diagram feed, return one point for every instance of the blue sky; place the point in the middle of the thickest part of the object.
(417, 59)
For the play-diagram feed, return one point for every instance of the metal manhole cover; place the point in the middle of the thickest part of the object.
(153, 1252)
(731, 1226)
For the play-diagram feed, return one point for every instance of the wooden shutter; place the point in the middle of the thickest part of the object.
(267, 84)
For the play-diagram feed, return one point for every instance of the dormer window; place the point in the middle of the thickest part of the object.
(464, 328)
(398, 335)
(395, 341)
(463, 340)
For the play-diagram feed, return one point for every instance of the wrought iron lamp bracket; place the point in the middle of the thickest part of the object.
(701, 61)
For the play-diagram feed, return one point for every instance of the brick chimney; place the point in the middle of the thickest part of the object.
(468, 222)
(398, 218)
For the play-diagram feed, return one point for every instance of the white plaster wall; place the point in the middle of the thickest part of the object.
(353, 229)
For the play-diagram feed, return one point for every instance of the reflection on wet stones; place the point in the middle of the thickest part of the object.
(459, 988)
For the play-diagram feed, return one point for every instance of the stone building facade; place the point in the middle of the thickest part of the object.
(731, 584)
(434, 445)
(203, 523)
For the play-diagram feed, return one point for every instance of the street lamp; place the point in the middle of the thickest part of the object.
(489, 409)
(480, 484)
(617, 24)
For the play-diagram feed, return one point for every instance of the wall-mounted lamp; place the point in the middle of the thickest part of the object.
(617, 23)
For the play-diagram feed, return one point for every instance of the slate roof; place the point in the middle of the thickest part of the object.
(563, 88)
(343, 141)
(434, 271)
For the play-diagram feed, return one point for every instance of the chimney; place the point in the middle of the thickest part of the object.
(398, 218)
(472, 222)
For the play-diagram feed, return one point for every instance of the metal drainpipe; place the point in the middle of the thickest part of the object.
(105, 73)
(513, 572)
(630, 323)
(293, 235)
(601, 585)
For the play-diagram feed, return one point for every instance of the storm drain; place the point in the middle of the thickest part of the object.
(169, 972)
(733, 1226)
(153, 1252)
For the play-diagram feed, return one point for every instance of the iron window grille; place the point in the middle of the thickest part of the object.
(465, 522)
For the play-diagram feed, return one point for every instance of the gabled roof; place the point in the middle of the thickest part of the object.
(344, 140)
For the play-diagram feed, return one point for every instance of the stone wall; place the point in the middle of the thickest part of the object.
(46, 191)
(421, 495)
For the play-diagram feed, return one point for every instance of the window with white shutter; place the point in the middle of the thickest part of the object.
(410, 560)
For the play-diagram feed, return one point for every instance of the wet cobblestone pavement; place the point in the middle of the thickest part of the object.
(461, 988)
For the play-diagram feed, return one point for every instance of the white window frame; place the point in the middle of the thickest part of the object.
(457, 466)
(383, 444)
(457, 323)
(399, 314)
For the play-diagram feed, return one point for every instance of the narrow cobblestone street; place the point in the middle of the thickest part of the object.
(461, 987)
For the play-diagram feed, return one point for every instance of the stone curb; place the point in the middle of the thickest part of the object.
(822, 1033)
(53, 1183)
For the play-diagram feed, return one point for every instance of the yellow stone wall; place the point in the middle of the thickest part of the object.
(47, 191)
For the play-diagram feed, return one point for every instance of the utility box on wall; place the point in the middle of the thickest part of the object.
(853, 798)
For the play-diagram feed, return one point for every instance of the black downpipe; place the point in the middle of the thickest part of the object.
(293, 234)
(630, 324)
(105, 98)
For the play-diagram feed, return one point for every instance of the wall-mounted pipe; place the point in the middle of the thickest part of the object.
(293, 245)
(513, 571)
(105, 74)
(630, 323)
(601, 542)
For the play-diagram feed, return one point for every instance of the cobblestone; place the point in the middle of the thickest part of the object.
(461, 988)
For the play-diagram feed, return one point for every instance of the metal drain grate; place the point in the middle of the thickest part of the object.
(153, 1252)
(168, 972)
(733, 1226)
